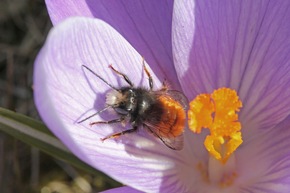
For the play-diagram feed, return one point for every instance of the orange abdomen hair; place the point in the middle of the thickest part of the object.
(173, 117)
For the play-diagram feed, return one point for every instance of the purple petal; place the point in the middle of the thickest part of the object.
(124, 189)
(65, 93)
(264, 160)
(61, 10)
(243, 45)
(145, 24)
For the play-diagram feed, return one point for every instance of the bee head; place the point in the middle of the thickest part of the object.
(123, 101)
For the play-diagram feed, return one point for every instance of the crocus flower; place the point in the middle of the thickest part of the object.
(207, 45)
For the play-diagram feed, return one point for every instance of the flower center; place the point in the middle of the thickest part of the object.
(218, 113)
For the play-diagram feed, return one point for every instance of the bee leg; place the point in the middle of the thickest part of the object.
(108, 122)
(148, 74)
(120, 133)
(126, 78)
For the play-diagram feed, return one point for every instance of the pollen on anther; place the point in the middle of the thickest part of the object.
(218, 113)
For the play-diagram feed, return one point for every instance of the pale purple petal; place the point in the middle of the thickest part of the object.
(124, 189)
(65, 93)
(145, 24)
(243, 45)
(218, 44)
(264, 160)
(61, 10)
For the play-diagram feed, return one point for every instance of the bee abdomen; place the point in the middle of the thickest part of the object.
(172, 119)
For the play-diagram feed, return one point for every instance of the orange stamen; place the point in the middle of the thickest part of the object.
(217, 112)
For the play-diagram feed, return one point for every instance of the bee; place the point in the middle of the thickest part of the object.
(161, 112)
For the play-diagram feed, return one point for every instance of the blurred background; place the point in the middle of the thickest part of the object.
(24, 25)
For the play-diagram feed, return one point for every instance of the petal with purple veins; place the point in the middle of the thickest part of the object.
(65, 92)
(243, 45)
(268, 155)
(145, 24)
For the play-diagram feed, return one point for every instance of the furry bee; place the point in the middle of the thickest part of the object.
(161, 112)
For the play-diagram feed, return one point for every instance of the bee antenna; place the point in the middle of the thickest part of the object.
(84, 66)
(100, 111)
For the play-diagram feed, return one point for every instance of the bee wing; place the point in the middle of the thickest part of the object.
(166, 129)
(171, 141)
(176, 95)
